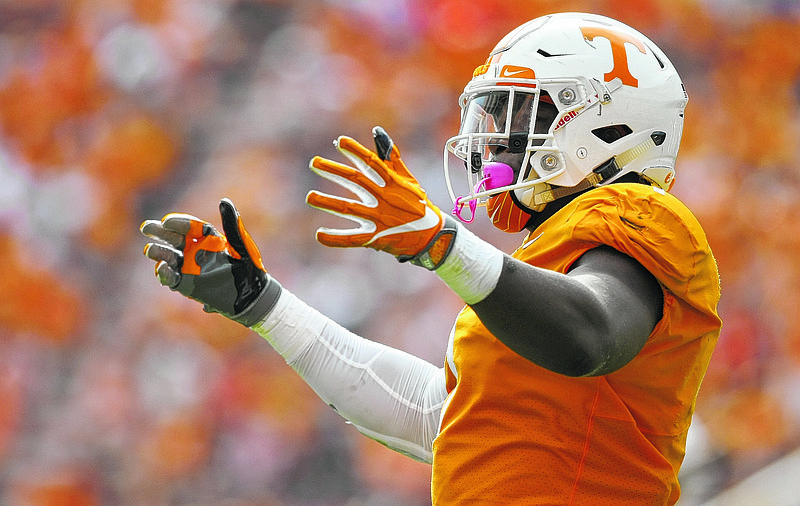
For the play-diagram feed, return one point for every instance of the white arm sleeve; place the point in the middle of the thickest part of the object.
(389, 395)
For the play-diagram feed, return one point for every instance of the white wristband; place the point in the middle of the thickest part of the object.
(472, 268)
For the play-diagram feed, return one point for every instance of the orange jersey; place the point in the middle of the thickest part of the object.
(515, 433)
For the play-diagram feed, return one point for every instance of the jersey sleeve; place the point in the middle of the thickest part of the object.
(657, 230)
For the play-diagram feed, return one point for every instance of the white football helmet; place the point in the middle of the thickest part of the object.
(586, 98)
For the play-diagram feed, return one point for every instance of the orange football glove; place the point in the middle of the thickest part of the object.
(393, 212)
(223, 272)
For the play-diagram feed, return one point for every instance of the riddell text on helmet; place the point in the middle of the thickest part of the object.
(565, 119)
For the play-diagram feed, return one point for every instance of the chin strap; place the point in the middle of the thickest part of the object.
(602, 173)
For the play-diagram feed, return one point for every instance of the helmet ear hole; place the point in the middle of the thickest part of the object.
(612, 133)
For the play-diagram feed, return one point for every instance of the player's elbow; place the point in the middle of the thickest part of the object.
(582, 361)
(592, 351)
(568, 352)
(600, 353)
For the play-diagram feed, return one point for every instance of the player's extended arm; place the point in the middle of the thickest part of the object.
(387, 394)
(589, 321)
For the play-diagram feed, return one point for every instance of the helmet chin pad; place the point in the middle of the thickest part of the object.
(526, 196)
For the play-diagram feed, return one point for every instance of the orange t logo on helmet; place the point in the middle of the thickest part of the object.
(617, 40)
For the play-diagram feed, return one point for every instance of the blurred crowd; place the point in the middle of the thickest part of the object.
(113, 390)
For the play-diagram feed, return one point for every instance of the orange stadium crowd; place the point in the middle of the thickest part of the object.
(115, 391)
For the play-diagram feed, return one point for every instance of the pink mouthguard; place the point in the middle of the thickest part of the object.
(495, 175)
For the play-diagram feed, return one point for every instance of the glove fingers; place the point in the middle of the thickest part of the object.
(383, 143)
(187, 224)
(340, 206)
(168, 263)
(178, 222)
(166, 275)
(388, 151)
(343, 238)
(345, 175)
(166, 254)
(154, 230)
(237, 235)
(363, 159)
(230, 226)
(352, 146)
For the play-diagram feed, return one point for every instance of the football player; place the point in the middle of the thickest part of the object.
(572, 372)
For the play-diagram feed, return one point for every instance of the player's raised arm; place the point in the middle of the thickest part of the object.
(389, 395)
(527, 311)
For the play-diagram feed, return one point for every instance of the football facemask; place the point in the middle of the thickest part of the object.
(502, 130)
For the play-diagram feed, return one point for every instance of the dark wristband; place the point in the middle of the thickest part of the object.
(436, 252)
(262, 305)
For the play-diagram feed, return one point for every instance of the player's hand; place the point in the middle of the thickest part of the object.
(392, 210)
(223, 272)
